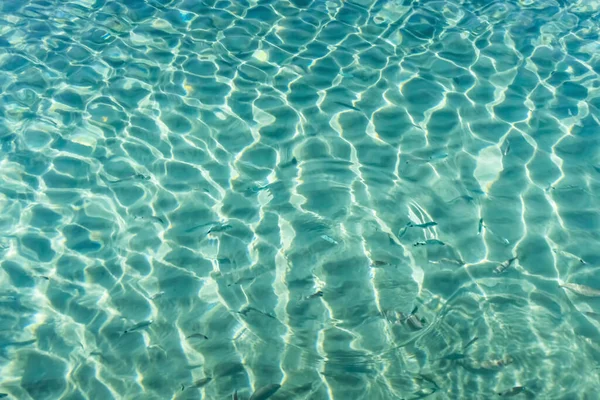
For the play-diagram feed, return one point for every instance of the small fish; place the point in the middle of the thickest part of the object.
(449, 261)
(265, 392)
(156, 295)
(242, 281)
(581, 289)
(504, 266)
(438, 156)
(414, 322)
(198, 227)
(423, 393)
(18, 344)
(512, 391)
(246, 310)
(96, 354)
(420, 378)
(141, 325)
(428, 242)
(466, 346)
(495, 364)
(141, 177)
(235, 396)
(377, 263)
(8, 297)
(346, 105)
(506, 149)
(219, 228)
(256, 189)
(291, 162)
(425, 225)
(480, 228)
(465, 198)
(435, 241)
(197, 336)
(566, 253)
(403, 231)
(150, 218)
(329, 239)
(198, 384)
(316, 294)
(297, 69)
(502, 239)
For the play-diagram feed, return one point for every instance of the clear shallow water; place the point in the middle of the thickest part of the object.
(195, 189)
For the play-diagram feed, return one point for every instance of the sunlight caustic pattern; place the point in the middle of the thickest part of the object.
(349, 199)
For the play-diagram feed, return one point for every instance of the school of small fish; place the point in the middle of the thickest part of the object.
(411, 321)
(461, 358)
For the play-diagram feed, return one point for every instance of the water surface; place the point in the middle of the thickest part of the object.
(351, 199)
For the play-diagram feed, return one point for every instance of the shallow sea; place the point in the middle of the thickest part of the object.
(345, 199)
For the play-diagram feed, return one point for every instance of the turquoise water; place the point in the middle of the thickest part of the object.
(362, 199)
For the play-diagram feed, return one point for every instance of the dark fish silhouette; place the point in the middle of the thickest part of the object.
(198, 384)
(449, 261)
(140, 325)
(423, 393)
(198, 227)
(377, 263)
(439, 156)
(504, 266)
(156, 295)
(494, 234)
(197, 336)
(487, 366)
(140, 177)
(459, 356)
(150, 218)
(414, 322)
(512, 391)
(581, 289)
(429, 242)
(466, 346)
(466, 198)
(256, 189)
(421, 378)
(265, 392)
(219, 228)
(346, 105)
(411, 225)
(247, 309)
(425, 225)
